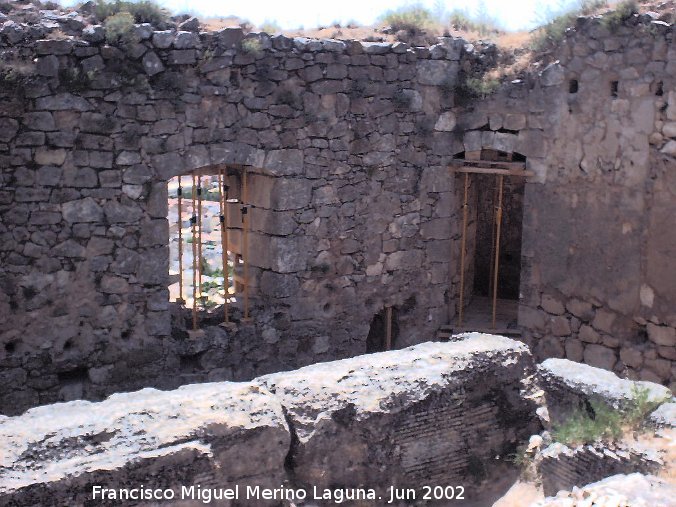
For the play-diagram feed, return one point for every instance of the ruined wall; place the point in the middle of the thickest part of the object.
(598, 275)
(354, 208)
(599, 231)
(572, 388)
(347, 144)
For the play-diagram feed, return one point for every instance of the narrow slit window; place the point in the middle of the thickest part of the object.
(614, 85)
(573, 86)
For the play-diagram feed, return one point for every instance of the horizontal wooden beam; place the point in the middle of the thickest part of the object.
(492, 170)
(496, 164)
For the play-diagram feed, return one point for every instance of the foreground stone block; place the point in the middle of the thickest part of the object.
(563, 468)
(197, 435)
(636, 490)
(437, 414)
(569, 385)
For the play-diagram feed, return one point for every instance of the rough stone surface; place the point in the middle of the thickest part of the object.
(562, 468)
(196, 434)
(635, 489)
(569, 385)
(438, 411)
(382, 416)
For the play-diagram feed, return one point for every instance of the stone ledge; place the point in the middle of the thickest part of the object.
(633, 489)
(197, 432)
(569, 385)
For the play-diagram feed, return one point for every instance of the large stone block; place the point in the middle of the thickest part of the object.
(622, 489)
(569, 386)
(195, 435)
(437, 413)
(83, 210)
(437, 72)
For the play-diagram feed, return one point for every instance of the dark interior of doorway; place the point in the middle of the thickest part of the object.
(509, 270)
(377, 337)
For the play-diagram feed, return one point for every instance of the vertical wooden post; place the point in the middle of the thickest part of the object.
(492, 261)
(193, 223)
(245, 240)
(179, 193)
(462, 250)
(199, 231)
(222, 204)
(498, 219)
(388, 328)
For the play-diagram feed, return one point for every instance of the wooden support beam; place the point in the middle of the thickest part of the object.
(245, 240)
(180, 240)
(388, 328)
(462, 249)
(494, 164)
(199, 234)
(492, 170)
(193, 228)
(498, 219)
(222, 197)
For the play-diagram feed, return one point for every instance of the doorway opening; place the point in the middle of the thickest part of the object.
(491, 187)
(384, 331)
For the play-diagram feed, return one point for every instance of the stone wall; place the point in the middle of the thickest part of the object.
(394, 418)
(597, 271)
(346, 149)
(354, 208)
(562, 468)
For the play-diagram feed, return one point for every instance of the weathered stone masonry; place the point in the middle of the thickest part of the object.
(406, 418)
(348, 145)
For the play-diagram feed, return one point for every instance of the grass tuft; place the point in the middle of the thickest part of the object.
(119, 28)
(603, 422)
(143, 11)
(554, 23)
(270, 27)
(623, 11)
(414, 19)
(481, 86)
(252, 46)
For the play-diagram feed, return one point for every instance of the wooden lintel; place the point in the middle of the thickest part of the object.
(495, 164)
(492, 170)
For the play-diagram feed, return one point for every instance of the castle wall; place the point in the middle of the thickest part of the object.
(346, 148)
(354, 207)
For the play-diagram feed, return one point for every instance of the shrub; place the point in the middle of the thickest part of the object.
(270, 27)
(555, 23)
(623, 11)
(482, 23)
(481, 86)
(583, 428)
(253, 46)
(6, 7)
(143, 11)
(641, 406)
(119, 27)
(414, 19)
(603, 422)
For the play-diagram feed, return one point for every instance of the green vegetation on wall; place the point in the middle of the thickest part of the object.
(603, 422)
(143, 11)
